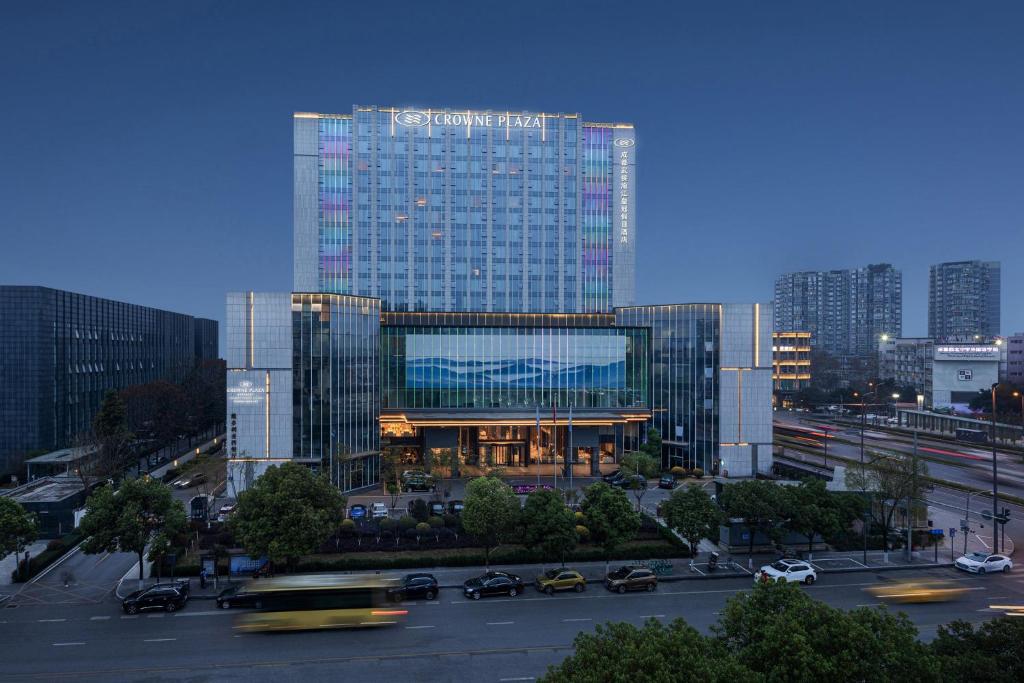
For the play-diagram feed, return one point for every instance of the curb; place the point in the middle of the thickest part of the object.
(53, 565)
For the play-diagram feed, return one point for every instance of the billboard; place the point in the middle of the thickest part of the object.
(445, 361)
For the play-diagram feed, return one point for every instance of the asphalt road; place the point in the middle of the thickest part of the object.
(450, 639)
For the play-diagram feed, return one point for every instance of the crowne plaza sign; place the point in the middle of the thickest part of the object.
(412, 118)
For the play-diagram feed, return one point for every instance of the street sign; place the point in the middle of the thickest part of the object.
(936, 532)
(952, 532)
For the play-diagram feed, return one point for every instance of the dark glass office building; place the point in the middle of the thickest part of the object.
(60, 352)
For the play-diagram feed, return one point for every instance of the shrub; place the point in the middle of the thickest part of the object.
(423, 528)
(697, 472)
(580, 517)
(583, 532)
(451, 521)
(388, 525)
(348, 527)
(55, 545)
(678, 471)
(435, 522)
(419, 510)
(406, 522)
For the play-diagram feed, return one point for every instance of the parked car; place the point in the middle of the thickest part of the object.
(226, 511)
(165, 596)
(626, 482)
(419, 483)
(455, 507)
(357, 511)
(984, 563)
(667, 481)
(237, 596)
(436, 508)
(416, 586)
(789, 571)
(560, 580)
(493, 583)
(378, 510)
(612, 477)
(631, 578)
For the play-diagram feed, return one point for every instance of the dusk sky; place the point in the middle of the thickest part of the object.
(146, 147)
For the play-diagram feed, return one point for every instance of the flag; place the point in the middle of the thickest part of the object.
(570, 419)
(538, 422)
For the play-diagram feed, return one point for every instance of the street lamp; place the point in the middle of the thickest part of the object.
(995, 480)
(895, 407)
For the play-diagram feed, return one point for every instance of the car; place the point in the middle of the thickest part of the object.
(188, 482)
(612, 477)
(493, 583)
(455, 507)
(983, 563)
(166, 596)
(415, 586)
(419, 483)
(917, 591)
(560, 580)
(226, 511)
(436, 508)
(627, 482)
(357, 511)
(667, 481)
(378, 510)
(631, 578)
(790, 571)
(236, 596)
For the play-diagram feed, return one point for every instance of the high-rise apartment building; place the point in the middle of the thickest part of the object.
(60, 352)
(455, 210)
(963, 299)
(845, 311)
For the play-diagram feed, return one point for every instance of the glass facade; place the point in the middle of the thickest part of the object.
(685, 344)
(61, 352)
(444, 210)
(516, 366)
(335, 370)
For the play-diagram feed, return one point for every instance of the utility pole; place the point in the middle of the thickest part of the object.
(910, 501)
(995, 480)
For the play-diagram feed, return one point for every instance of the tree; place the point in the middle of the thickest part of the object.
(490, 513)
(693, 515)
(640, 463)
(610, 517)
(652, 447)
(127, 518)
(811, 510)
(549, 525)
(159, 409)
(657, 653)
(781, 633)
(758, 504)
(287, 513)
(111, 440)
(890, 480)
(993, 652)
(18, 527)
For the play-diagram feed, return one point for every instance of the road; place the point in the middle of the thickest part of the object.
(449, 639)
(953, 462)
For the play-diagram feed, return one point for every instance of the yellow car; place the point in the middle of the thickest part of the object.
(917, 591)
(560, 580)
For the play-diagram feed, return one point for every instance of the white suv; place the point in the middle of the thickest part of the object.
(787, 570)
(378, 510)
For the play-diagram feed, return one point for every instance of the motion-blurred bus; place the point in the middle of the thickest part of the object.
(320, 601)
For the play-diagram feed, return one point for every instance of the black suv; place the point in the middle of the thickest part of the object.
(166, 596)
(415, 480)
(493, 583)
(415, 586)
(626, 481)
(612, 477)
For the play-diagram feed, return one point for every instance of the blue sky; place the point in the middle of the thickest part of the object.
(146, 146)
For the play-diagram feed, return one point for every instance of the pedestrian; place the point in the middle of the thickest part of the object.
(202, 578)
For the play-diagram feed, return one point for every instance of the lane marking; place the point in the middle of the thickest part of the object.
(520, 678)
(155, 616)
(568, 620)
(157, 640)
(413, 628)
(50, 621)
(499, 623)
(651, 616)
(68, 644)
(98, 618)
(130, 616)
(205, 613)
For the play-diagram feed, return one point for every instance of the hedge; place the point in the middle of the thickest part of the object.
(54, 550)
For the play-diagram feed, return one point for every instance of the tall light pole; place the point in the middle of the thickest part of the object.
(995, 479)
(1021, 395)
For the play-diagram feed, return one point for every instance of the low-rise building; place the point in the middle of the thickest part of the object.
(791, 361)
(53, 500)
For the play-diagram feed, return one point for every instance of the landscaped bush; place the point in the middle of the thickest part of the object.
(678, 472)
(406, 522)
(451, 521)
(348, 527)
(46, 558)
(583, 532)
(423, 528)
(55, 544)
(697, 472)
(419, 510)
(580, 518)
(435, 522)
(388, 525)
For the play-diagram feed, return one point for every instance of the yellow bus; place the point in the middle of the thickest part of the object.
(320, 601)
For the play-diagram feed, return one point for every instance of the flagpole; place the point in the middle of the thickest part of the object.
(538, 447)
(571, 455)
(554, 440)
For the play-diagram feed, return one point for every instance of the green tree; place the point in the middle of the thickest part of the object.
(112, 440)
(812, 510)
(652, 447)
(992, 652)
(490, 513)
(127, 519)
(18, 527)
(693, 515)
(549, 525)
(655, 653)
(287, 513)
(610, 517)
(780, 632)
(640, 463)
(758, 503)
(889, 480)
